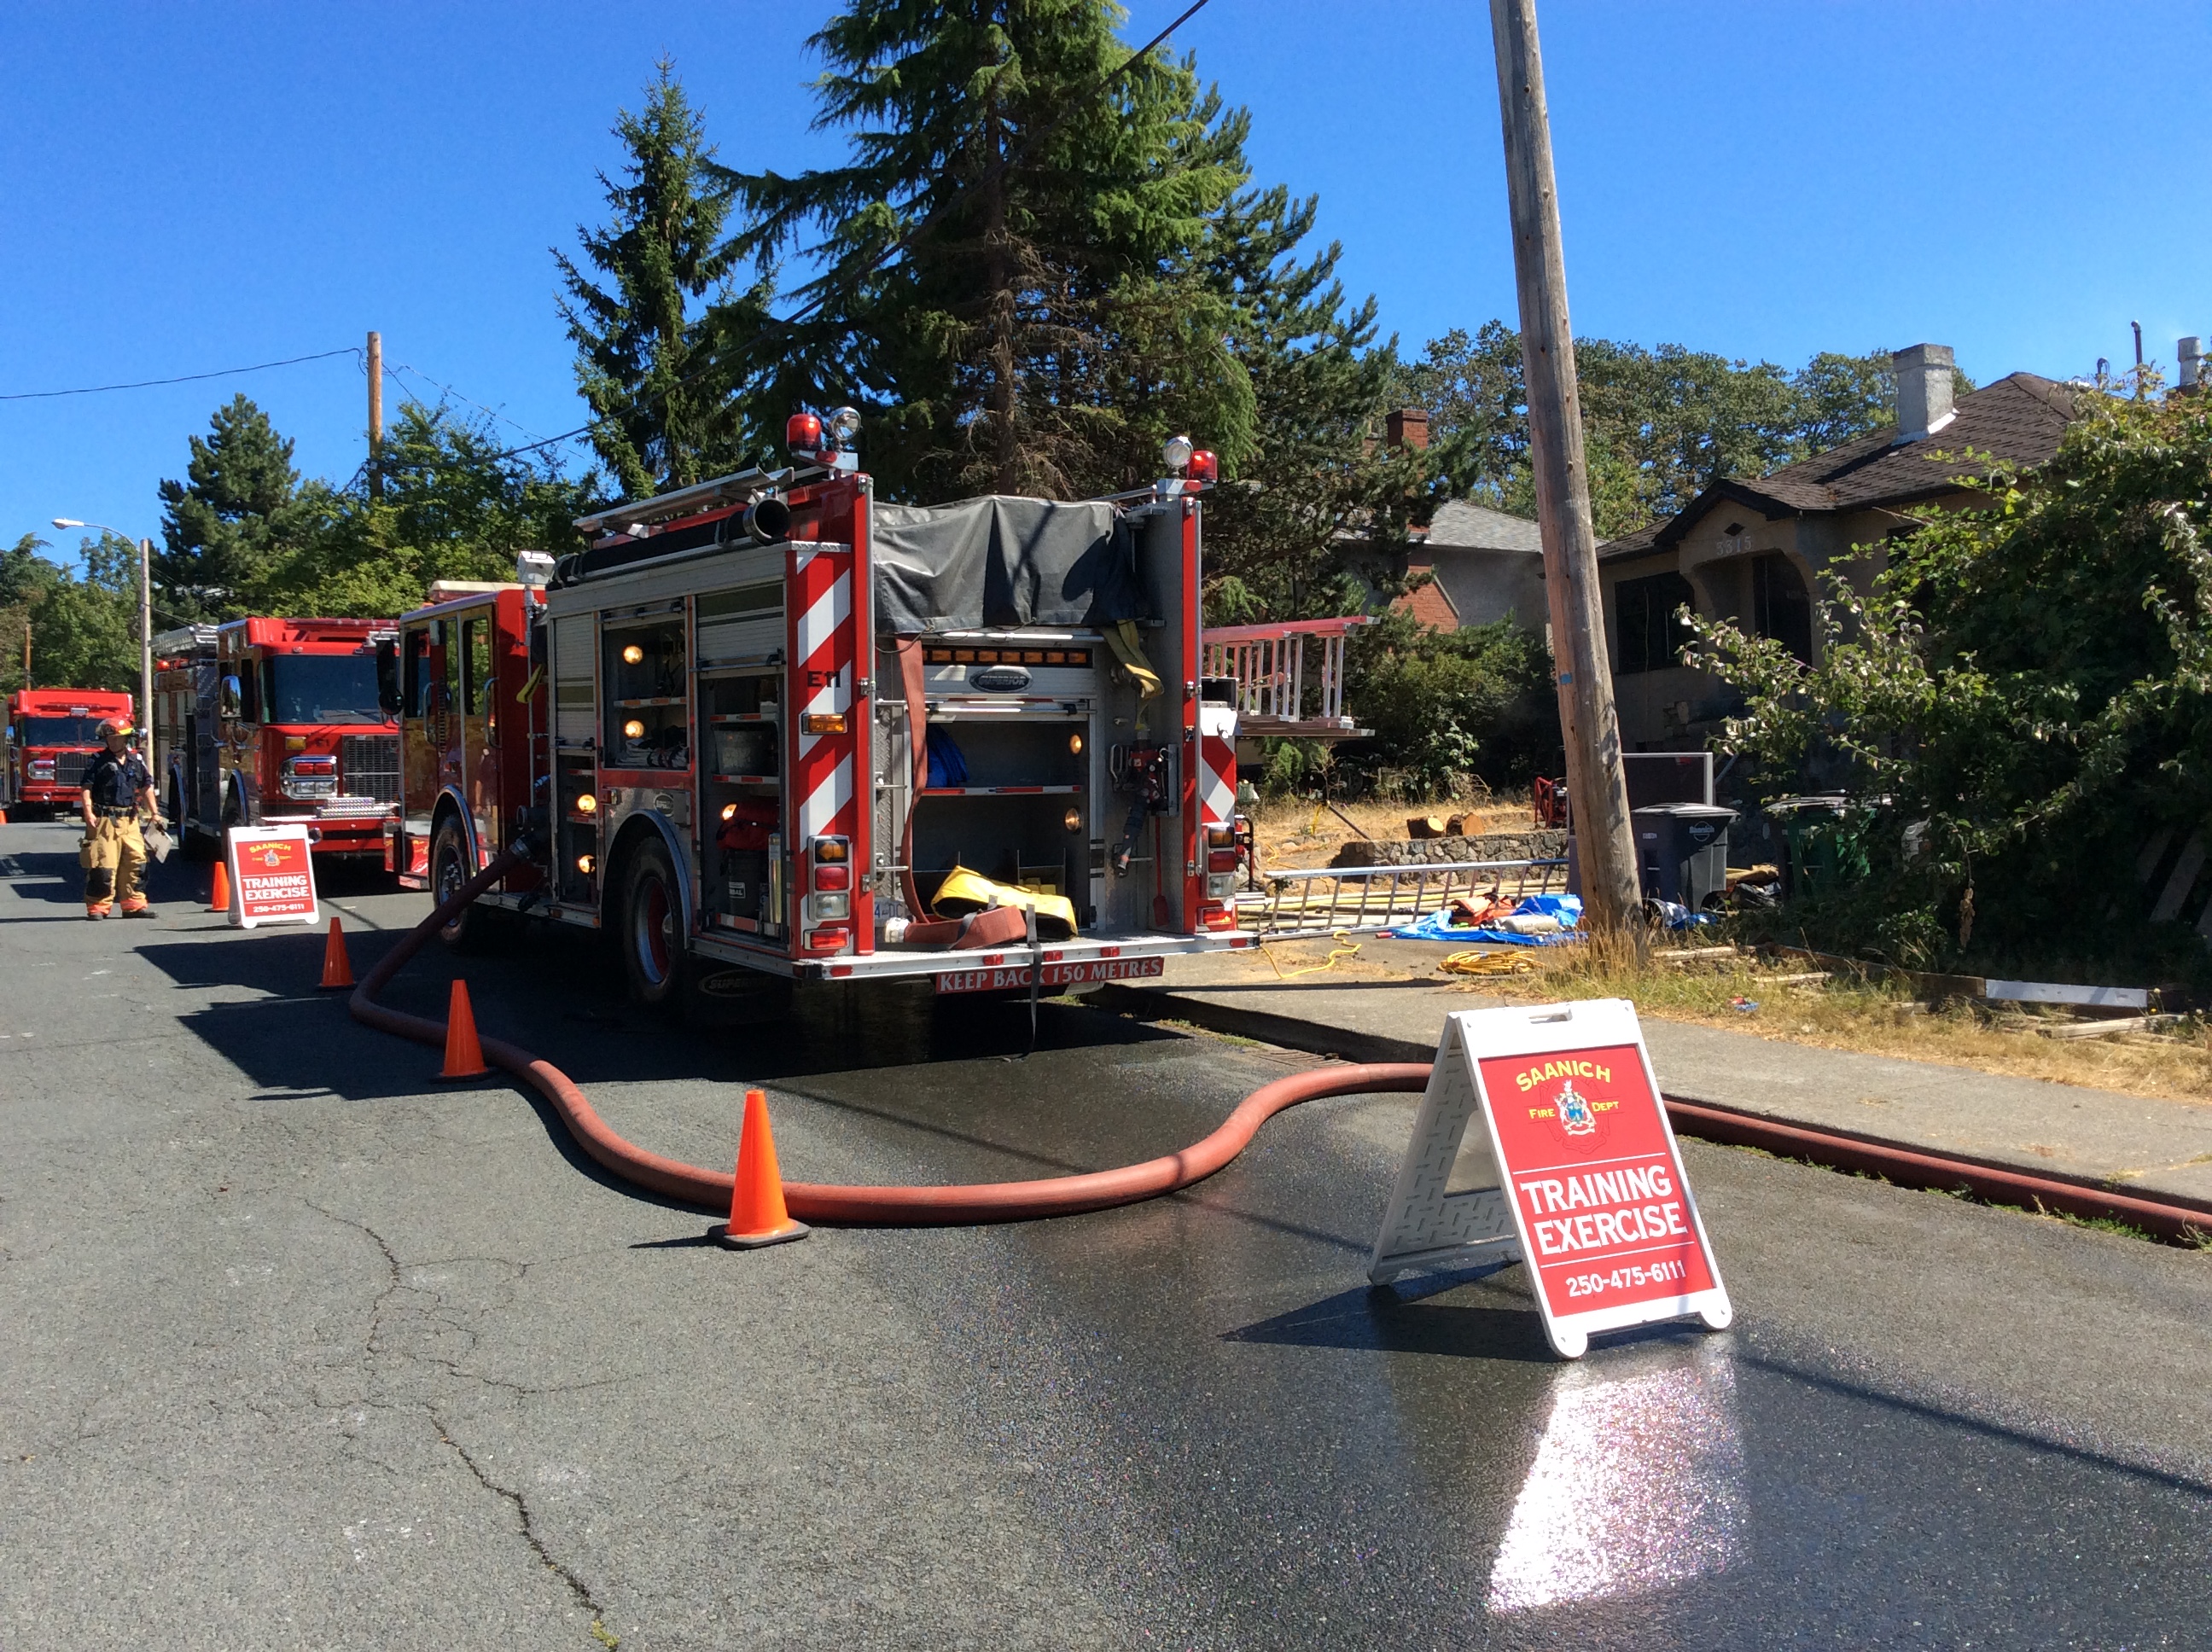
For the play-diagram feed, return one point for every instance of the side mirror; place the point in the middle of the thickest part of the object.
(234, 698)
(387, 678)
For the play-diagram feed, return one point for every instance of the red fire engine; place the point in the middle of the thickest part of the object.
(769, 722)
(52, 734)
(267, 720)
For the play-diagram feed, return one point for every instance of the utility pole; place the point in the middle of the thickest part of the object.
(1597, 790)
(375, 413)
(146, 653)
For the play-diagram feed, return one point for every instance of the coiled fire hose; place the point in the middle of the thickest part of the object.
(1098, 1190)
(988, 1201)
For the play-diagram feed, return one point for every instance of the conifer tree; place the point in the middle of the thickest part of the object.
(239, 510)
(643, 361)
(1043, 318)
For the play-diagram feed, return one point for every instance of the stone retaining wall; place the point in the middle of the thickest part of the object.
(1532, 845)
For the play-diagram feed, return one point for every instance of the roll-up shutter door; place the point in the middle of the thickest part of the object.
(573, 717)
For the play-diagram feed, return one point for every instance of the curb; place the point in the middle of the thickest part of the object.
(1914, 1163)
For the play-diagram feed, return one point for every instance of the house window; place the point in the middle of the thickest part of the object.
(1780, 607)
(1649, 636)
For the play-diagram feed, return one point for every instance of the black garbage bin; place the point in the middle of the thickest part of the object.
(1681, 851)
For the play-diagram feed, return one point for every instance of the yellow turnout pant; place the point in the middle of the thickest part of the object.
(113, 854)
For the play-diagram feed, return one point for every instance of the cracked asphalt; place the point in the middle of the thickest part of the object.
(299, 1347)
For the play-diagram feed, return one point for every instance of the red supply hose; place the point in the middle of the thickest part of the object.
(1098, 1190)
(988, 1201)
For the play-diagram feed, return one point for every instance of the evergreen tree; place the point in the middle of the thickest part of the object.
(454, 507)
(1045, 319)
(24, 579)
(660, 397)
(239, 510)
(1319, 510)
(84, 631)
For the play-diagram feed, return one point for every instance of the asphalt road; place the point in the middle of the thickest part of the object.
(301, 1348)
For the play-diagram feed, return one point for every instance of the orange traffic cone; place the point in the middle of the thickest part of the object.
(758, 1217)
(337, 969)
(219, 891)
(464, 1055)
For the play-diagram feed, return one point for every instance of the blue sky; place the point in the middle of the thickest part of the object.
(196, 187)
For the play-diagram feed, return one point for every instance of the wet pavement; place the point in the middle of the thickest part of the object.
(306, 1349)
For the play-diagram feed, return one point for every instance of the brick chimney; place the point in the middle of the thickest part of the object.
(1406, 428)
(1924, 389)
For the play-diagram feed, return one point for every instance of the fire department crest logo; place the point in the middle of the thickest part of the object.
(269, 855)
(1575, 1117)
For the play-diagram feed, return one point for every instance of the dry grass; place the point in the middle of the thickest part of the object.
(1294, 833)
(1837, 1014)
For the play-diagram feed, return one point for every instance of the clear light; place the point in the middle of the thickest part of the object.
(729, 811)
(1072, 820)
(633, 655)
(588, 804)
(1176, 450)
(587, 863)
(842, 424)
(1075, 744)
(632, 729)
(1637, 1485)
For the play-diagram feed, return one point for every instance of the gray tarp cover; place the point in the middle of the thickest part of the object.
(1002, 561)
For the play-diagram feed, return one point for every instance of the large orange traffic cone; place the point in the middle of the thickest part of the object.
(758, 1217)
(337, 969)
(464, 1055)
(219, 891)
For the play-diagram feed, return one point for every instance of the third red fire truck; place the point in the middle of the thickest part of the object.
(51, 735)
(770, 722)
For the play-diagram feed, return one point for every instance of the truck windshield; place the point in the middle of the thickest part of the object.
(60, 731)
(322, 689)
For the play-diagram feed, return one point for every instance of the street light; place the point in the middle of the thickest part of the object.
(145, 626)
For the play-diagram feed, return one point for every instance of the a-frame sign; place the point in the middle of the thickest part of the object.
(1570, 1167)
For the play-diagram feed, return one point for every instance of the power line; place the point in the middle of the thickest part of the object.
(904, 243)
(186, 379)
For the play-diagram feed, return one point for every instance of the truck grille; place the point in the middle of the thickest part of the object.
(368, 766)
(69, 766)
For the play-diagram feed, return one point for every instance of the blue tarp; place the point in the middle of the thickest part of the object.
(1439, 926)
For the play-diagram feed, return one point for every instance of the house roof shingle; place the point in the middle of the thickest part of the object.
(1460, 522)
(2018, 419)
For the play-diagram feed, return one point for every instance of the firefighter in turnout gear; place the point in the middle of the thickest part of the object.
(117, 791)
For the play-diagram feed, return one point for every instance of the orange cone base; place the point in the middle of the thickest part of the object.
(721, 1233)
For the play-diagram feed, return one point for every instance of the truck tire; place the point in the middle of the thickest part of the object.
(652, 935)
(451, 866)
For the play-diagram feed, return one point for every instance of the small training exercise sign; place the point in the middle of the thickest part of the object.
(272, 876)
(1571, 1168)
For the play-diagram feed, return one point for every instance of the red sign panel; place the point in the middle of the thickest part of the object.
(272, 877)
(1078, 973)
(1594, 1173)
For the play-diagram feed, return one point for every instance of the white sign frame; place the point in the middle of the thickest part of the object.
(240, 839)
(1450, 1204)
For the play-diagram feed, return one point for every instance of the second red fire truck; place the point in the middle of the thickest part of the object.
(263, 721)
(770, 722)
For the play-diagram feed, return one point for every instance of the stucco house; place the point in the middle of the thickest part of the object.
(1487, 565)
(1748, 548)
